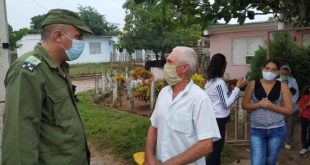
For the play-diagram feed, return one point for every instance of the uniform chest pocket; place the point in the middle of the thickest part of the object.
(181, 124)
(62, 105)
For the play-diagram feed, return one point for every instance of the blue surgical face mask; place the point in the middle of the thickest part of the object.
(76, 49)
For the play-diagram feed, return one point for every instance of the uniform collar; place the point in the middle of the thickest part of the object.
(42, 52)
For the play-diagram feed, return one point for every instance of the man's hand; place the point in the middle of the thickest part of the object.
(151, 160)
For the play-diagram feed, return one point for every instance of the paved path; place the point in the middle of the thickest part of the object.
(84, 84)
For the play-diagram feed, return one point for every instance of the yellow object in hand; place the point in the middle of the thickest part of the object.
(139, 158)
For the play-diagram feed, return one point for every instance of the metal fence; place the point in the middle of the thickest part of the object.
(238, 127)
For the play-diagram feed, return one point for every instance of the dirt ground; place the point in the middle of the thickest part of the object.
(287, 157)
(103, 157)
(84, 84)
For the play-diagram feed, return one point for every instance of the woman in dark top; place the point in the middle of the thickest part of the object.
(269, 100)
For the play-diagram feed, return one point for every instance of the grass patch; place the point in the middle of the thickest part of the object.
(95, 68)
(121, 132)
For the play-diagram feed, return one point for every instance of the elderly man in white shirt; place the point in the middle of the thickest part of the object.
(183, 126)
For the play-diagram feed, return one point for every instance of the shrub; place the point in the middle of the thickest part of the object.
(141, 73)
(199, 80)
(257, 63)
(120, 79)
(143, 92)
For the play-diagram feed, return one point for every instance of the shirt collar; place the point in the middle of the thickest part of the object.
(42, 52)
(186, 89)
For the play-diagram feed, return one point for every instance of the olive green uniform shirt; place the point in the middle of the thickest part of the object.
(42, 125)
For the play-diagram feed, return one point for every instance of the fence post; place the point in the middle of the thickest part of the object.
(130, 85)
(114, 87)
(96, 86)
(240, 124)
(152, 95)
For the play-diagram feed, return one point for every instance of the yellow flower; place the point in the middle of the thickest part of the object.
(199, 80)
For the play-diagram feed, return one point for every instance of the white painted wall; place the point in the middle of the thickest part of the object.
(28, 43)
(106, 50)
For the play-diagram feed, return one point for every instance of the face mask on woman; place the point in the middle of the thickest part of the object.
(269, 75)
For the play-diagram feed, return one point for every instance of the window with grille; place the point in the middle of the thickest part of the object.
(94, 47)
(243, 49)
(306, 40)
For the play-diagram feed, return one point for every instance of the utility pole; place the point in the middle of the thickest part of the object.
(4, 48)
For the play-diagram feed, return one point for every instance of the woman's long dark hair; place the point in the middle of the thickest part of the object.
(216, 67)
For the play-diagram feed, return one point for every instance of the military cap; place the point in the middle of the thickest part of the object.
(63, 16)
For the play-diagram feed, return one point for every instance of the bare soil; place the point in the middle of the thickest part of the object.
(103, 157)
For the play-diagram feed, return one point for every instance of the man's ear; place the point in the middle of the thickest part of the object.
(57, 36)
(187, 68)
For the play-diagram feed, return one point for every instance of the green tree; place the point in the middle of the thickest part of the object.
(204, 11)
(15, 36)
(146, 28)
(284, 49)
(36, 22)
(91, 17)
(97, 22)
(257, 63)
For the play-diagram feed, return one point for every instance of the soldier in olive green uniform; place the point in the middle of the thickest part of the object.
(42, 125)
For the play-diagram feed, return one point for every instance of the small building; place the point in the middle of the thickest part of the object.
(97, 48)
(239, 43)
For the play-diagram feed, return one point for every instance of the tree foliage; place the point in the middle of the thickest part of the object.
(257, 63)
(91, 17)
(97, 22)
(284, 49)
(36, 22)
(146, 28)
(204, 11)
(15, 36)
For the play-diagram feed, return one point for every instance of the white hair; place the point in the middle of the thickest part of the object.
(187, 55)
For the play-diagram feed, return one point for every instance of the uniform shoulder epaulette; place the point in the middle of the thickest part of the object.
(31, 63)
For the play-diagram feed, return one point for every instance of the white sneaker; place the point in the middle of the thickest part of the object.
(287, 146)
(303, 151)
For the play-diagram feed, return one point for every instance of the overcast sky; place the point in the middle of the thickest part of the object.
(19, 12)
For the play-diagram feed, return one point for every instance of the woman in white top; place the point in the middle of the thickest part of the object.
(217, 90)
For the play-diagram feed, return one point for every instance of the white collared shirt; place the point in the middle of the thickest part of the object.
(183, 121)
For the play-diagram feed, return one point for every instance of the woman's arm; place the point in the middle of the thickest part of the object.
(222, 91)
(246, 101)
